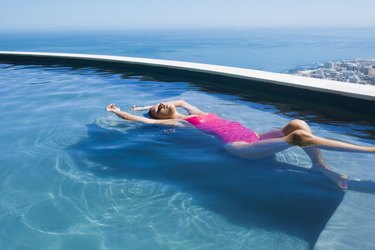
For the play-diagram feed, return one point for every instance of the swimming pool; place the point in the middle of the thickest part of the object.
(75, 177)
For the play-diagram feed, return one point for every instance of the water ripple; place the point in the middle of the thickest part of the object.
(72, 173)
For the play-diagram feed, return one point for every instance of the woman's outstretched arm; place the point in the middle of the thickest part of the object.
(179, 103)
(137, 108)
(193, 110)
(126, 116)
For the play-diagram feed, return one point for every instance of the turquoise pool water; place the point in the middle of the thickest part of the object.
(76, 177)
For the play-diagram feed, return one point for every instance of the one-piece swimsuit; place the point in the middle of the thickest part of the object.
(226, 130)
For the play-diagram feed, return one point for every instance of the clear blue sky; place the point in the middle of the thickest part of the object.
(154, 14)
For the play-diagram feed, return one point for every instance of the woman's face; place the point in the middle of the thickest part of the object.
(164, 111)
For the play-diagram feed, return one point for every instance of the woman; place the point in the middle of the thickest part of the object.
(242, 141)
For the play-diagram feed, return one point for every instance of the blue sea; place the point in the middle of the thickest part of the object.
(277, 50)
(73, 176)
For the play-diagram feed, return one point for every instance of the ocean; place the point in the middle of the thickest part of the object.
(276, 50)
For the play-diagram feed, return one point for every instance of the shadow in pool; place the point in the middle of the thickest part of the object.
(254, 194)
(363, 186)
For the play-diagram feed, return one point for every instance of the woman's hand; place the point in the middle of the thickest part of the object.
(112, 107)
(135, 108)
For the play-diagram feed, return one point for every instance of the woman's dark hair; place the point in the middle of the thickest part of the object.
(151, 115)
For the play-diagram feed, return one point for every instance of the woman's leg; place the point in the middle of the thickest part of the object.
(315, 154)
(304, 139)
(297, 133)
(258, 149)
(270, 143)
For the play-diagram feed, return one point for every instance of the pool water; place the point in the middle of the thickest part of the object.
(76, 177)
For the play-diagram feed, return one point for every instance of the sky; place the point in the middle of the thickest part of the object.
(31, 15)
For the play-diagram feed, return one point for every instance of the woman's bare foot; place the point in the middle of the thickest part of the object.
(340, 180)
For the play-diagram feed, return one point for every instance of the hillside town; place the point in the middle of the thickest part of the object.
(361, 71)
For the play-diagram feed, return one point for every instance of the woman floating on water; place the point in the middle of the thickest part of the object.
(244, 142)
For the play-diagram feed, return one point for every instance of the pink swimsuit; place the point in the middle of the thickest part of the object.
(226, 130)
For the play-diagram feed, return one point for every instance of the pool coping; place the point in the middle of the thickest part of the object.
(355, 91)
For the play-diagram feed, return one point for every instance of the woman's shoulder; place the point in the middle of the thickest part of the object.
(201, 114)
(199, 119)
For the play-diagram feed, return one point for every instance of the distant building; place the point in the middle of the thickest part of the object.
(329, 65)
(350, 74)
(354, 79)
(369, 71)
(351, 66)
(360, 71)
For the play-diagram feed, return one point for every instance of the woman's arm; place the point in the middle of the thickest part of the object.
(179, 103)
(188, 107)
(126, 116)
(135, 108)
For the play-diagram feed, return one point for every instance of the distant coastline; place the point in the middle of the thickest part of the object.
(361, 71)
